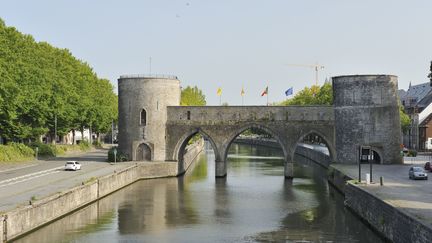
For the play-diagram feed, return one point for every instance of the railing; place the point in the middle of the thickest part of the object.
(164, 76)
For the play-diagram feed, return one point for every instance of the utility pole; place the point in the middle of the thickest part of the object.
(316, 67)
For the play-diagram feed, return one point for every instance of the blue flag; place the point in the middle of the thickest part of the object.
(289, 91)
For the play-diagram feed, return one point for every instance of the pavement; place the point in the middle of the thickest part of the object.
(413, 197)
(33, 180)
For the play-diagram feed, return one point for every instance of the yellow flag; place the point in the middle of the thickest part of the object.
(219, 92)
(242, 93)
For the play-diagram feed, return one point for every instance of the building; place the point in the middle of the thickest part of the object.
(417, 103)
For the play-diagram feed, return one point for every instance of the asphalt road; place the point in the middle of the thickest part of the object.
(44, 178)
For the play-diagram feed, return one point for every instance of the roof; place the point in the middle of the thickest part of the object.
(416, 93)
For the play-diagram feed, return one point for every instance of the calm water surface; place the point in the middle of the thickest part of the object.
(253, 204)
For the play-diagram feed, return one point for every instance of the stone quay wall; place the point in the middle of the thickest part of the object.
(25, 219)
(390, 222)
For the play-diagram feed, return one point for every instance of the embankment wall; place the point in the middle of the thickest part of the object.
(392, 223)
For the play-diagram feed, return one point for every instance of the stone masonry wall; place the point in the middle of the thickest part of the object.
(392, 223)
(367, 113)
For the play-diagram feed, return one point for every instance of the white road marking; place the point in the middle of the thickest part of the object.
(22, 167)
(30, 178)
(31, 175)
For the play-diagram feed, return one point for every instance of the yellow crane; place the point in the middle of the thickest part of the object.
(317, 67)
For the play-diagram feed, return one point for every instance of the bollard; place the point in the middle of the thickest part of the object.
(381, 181)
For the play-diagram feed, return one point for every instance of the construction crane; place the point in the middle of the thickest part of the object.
(317, 67)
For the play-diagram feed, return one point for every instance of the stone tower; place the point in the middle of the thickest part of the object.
(367, 113)
(143, 102)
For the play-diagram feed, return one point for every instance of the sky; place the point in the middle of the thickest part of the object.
(237, 43)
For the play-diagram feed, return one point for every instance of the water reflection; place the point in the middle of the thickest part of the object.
(254, 203)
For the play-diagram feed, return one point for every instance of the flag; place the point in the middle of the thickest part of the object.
(265, 92)
(219, 92)
(289, 91)
(242, 93)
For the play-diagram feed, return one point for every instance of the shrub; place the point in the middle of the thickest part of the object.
(412, 153)
(44, 149)
(97, 144)
(120, 156)
(15, 152)
(84, 145)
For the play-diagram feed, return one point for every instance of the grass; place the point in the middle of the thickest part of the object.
(91, 179)
(18, 152)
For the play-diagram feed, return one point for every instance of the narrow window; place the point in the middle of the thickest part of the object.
(143, 118)
(188, 115)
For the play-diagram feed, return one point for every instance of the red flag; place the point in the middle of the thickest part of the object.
(265, 92)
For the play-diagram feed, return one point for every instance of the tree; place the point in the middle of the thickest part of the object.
(41, 84)
(404, 120)
(314, 95)
(192, 97)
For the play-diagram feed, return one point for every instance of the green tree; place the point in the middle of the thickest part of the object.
(192, 96)
(40, 82)
(404, 120)
(314, 95)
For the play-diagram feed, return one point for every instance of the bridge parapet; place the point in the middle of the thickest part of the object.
(218, 115)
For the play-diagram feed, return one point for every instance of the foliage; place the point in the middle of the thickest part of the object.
(97, 144)
(40, 83)
(412, 153)
(15, 152)
(314, 95)
(192, 97)
(120, 156)
(195, 138)
(84, 145)
(404, 120)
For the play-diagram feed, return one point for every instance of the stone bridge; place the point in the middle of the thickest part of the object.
(220, 125)
(365, 111)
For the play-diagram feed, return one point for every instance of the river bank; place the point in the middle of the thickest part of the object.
(17, 222)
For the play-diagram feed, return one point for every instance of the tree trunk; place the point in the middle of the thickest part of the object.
(82, 133)
(73, 137)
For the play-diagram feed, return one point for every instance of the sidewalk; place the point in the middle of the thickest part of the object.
(413, 197)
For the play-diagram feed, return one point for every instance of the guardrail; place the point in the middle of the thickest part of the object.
(164, 76)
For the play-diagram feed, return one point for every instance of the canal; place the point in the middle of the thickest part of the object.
(253, 204)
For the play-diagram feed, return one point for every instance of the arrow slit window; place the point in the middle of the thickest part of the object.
(143, 117)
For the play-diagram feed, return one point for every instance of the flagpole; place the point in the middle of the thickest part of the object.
(242, 100)
(267, 95)
(220, 100)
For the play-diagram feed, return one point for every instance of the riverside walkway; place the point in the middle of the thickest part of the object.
(414, 197)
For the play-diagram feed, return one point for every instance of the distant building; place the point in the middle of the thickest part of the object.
(417, 102)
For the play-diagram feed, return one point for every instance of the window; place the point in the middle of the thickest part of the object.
(143, 118)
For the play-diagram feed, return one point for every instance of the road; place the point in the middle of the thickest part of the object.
(46, 177)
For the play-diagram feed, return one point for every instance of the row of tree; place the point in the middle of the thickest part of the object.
(43, 88)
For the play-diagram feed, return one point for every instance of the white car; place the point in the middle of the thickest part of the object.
(72, 165)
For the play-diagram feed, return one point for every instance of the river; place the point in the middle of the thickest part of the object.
(253, 204)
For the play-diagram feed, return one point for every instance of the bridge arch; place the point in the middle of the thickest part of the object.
(232, 136)
(183, 141)
(327, 141)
